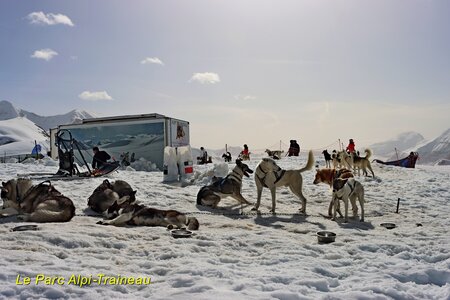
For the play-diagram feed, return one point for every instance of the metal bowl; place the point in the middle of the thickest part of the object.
(25, 228)
(326, 237)
(388, 225)
(181, 233)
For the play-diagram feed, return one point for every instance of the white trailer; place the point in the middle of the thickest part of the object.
(138, 136)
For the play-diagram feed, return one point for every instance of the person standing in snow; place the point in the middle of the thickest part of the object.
(351, 146)
(294, 148)
(245, 154)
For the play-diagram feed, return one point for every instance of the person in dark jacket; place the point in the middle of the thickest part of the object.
(294, 148)
(100, 158)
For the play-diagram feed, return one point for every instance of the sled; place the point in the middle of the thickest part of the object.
(68, 170)
(407, 162)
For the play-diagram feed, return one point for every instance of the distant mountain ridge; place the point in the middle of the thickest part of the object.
(401, 142)
(437, 150)
(9, 111)
(20, 128)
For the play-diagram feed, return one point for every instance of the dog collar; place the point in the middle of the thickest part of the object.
(235, 176)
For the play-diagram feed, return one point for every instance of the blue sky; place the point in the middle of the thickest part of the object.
(252, 72)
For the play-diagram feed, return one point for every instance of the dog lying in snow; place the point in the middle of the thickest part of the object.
(126, 213)
(35, 203)
(109, 192)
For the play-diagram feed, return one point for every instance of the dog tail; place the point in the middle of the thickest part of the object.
(192, 223)
(368, 153)
(309, 163)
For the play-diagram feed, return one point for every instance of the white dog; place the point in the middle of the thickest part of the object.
(345, 190)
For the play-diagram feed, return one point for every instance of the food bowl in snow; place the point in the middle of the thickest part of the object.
(181, 233)
(388, 225)
(326, 237)
(25, 228)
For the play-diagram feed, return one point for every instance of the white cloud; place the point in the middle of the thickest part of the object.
(244, 97)
(45, 54)
(49, 19)
(205, 78)
(152, 60)
(95, 96)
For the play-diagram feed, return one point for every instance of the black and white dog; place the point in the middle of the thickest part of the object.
(348, 190)
(231, 185)
(227, 157)
(327, 157)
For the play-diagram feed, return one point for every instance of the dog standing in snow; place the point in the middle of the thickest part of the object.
(348, 190)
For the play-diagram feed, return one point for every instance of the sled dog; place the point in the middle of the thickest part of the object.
(230, 185)
(335, 159)
(362, 163)
(141, 215)
(327, 176)
(276, 154)
(35, 203)
(345, 190)
(327, 157)
(268, 174)
(109, 192)
(227, 156)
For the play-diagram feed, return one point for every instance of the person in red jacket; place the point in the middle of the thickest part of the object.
(351, 146)
(245, 154)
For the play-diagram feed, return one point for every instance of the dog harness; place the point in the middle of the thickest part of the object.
(352, 189)
(234, 177)
(278, 176)
(19, 200)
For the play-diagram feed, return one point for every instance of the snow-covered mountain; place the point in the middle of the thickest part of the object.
(18, 136)
(8, 111)
(436, 150)
(402, 142)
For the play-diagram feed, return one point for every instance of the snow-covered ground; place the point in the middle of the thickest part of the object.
(242, 256)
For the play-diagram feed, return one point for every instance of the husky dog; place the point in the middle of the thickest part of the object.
(345, 159)
(39, 203)
(227, 157)
(327, 176)
(140, 215)
(362, 163)
(268, 174)
(231, 185)
(107, 193)
(327, 157)
(274, 154)
(345, 190)
(335, 160)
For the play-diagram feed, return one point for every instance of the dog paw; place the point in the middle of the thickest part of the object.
(101, 223)
(170, 227)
